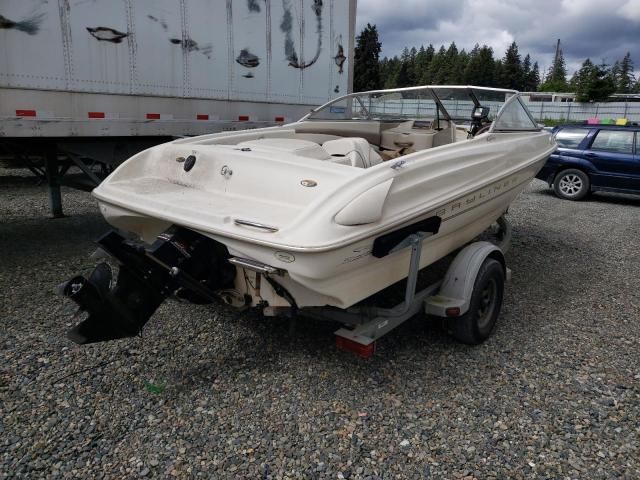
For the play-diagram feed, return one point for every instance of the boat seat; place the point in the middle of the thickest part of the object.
(417, 135)
(352, 151)
(302, 148)
(318, 138)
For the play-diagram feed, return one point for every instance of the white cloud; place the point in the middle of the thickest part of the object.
(631, 10)
(600, 29)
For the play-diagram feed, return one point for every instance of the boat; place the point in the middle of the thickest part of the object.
(309, 214)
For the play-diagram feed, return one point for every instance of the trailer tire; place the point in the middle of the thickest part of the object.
(475, 326)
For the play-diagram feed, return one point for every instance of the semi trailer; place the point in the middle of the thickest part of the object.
(85, 84)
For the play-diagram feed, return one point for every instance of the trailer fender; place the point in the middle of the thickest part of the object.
(454, 295)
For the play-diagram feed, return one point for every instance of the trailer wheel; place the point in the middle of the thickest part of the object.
(475, 326)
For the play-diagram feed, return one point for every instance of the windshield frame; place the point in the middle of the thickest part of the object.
(516, 98)
(431, 90)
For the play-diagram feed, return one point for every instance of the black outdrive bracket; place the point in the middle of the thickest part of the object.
(179, 259)
(383, 245)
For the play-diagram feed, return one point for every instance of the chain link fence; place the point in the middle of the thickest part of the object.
(541, 111)
(574, 112)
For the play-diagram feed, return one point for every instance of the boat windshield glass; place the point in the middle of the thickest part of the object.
(390, 105)
(447, 103)
(514, 117)
(460, 102)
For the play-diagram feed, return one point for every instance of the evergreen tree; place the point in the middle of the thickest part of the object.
(472, 63)
(384, 70)
(625, 79)
(404, 75)
(480, 67)
(532, 81)
(449, 64)
(594, 82)
(559, 69)
(430, 51)
(409, 61)
(556, 79)
(437, 69)
(498, 75)
(425, 72)
(603, 85)
(512, 74)
(459, 68)
(425, 66)
(615, 74)
(526, 71)
(573, 83)
(581, 79)
(390, 74)
(404, 72)
(366, 70)
(475, 51)
(420, 64)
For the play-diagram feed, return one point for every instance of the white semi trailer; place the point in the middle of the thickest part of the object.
(87, 83)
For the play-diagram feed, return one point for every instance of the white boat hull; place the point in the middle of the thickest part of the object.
(310, 214)
(348, 273)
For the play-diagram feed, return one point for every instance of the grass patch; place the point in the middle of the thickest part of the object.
(548, 122)
(154, 388)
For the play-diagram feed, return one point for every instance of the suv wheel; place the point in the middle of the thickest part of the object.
(571, 184)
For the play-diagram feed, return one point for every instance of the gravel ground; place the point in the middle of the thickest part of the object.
(554, 393)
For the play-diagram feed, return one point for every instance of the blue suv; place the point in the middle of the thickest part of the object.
(594, 157)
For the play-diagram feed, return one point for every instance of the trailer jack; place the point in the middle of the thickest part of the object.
(180, 261)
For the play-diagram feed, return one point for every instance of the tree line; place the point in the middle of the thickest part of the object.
(451, 66)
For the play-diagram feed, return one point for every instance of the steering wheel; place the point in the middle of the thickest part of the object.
(484, 129)
(479, 121)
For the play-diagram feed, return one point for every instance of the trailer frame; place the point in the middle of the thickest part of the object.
(448, 298)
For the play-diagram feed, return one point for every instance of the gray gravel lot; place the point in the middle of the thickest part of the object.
(554, 393)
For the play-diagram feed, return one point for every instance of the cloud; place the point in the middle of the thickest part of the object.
(631, 10)
(413, 14)
(599, 29)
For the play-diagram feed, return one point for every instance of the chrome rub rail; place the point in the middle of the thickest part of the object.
(261, 226)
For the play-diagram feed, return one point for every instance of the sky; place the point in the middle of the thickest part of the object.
(599, 29)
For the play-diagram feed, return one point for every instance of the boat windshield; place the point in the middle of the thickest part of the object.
(444, 102)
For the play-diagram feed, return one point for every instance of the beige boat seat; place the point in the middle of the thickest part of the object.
(405, 136)
(318, 138)
(352, 151)
(302, 148)
(417, 135)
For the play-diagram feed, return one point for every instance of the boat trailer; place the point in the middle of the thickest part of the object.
(469, 296)
(193, 267)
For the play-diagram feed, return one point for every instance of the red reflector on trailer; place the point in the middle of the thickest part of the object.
(279, 119)
(153, 116)
(25, 113)
(243, 118)
(95, 114)
(452, 311)
(202, 117)
(363, 351)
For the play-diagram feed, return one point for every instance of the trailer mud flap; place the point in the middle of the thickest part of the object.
(179, 260)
